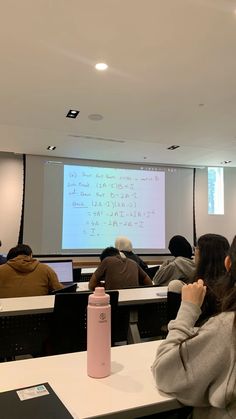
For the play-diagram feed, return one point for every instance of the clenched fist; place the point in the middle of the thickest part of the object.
(194, 293)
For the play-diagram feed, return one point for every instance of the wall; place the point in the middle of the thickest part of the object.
(11, 188)
(11, 192)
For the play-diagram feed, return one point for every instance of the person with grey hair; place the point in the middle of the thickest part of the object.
(124, 245)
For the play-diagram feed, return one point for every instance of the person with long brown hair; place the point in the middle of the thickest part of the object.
(210, 254)
(197, 365)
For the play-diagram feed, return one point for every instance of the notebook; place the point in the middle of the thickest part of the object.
(63, 269)
(37, 402)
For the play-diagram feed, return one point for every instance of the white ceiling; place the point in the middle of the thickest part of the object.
(165, 57)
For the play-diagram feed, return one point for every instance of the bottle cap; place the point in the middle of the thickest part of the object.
(99, 297)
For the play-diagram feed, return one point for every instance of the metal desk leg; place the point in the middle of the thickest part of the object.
(133, 332)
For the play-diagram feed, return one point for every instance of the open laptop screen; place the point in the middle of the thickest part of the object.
(63, 269)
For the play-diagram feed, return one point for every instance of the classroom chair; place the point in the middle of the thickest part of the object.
(69, 322)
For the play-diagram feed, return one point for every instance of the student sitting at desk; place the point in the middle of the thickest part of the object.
(181, 267)
(124, 245)
(116, 272)
(23, 276)
(197, 365)
(210, 255)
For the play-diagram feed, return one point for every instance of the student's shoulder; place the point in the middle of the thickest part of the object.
(4, 265)
(42, 267)
(131, 264)
(167, 266)
(222, 323)
(110, 259)
(5, 268)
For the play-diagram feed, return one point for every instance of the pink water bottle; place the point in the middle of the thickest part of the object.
(99, 334)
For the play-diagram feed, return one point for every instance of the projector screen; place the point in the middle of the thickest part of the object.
(80, 206)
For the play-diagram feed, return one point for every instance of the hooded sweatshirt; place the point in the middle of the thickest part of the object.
(197, 366)
(24, 276)
(177, 268)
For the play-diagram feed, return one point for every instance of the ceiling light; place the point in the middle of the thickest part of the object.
(101, 66)
(172, 147)
(72, 113)
(51, 147)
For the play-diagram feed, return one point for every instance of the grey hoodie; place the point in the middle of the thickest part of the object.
(178, 268)
(197, 365)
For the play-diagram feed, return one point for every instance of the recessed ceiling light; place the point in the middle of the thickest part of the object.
(95, 117)
(101, 66)
(72, 113)
(51, 147)
(172, 147)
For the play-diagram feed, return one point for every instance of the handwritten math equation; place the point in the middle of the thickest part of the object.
(100, 200)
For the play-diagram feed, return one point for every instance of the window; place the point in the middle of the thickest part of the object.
(215, 190)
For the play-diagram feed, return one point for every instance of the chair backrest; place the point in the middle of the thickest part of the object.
(152, 270)
(173, 304)
(85, 277)
(69, 324)
(24, 334)
(67, 289)
(76, 274)
(151, 318)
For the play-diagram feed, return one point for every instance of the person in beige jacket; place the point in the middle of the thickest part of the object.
(24, 276)
(197, 365)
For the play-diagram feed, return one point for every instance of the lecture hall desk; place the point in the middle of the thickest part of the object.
(128, 393)
(42, 306)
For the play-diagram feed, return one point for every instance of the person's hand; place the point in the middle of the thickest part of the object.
(194, 293)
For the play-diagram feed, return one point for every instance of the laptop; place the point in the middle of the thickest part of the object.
(63, 269)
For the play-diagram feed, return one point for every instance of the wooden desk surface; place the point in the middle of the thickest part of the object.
(134, 296)
(45, 303)
(129, 392)
(94, 263)
(26, 305)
